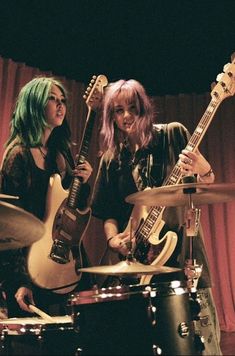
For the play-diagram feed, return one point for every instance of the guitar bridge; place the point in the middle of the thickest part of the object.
(60, 252)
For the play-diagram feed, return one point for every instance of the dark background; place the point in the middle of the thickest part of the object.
(170, 46)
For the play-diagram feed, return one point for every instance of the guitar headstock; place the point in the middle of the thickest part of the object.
(226, 81)
(94, 91)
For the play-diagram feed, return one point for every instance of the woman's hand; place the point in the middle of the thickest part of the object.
(195, 163)
(121, 243)
(24, 297)
(84, 171)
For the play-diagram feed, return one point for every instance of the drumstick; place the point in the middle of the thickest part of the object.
(41, 313)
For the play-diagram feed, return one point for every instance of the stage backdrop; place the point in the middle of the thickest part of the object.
(218, 146)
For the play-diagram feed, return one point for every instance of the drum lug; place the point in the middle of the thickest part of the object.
(183, 329)
(3, 339)
(157, 350)
(152, 314)
(199, 343)
(78, 352)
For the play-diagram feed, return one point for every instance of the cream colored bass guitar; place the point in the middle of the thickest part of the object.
(147, 223)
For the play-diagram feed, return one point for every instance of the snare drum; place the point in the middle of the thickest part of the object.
(113, 321)
(35, 336)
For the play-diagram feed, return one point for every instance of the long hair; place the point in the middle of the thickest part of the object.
(110, 136)
(28, 120)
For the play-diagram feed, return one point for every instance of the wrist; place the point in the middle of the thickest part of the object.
(109, 239)
(207, 176)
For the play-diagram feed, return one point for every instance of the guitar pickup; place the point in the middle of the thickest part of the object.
(65, 235)
(70, 215)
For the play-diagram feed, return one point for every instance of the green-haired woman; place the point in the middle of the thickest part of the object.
(38, 147)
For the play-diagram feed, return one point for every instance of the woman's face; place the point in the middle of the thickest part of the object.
(125, 114)
(55, 110)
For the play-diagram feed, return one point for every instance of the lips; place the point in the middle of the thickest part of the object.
(60, 114)
(128, 123)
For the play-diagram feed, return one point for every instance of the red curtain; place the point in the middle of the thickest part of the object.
(217, 145)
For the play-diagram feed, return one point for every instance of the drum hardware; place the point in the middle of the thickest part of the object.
(18, 228)
(192, 270)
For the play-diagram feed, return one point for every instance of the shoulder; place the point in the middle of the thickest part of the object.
(172, 128)
(15, 154)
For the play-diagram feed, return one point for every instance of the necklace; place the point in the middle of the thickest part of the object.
(43, 154)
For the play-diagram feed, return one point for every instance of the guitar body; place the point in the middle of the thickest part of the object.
(43, 271)
(154, 249)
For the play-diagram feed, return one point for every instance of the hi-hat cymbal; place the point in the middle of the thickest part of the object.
(176, 195)
(18, 228)
(129, 268)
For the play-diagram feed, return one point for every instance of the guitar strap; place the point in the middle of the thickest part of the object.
(158, 157)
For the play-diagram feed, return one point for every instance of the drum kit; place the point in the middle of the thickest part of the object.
(128, 319)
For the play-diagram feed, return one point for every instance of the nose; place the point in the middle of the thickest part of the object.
(126, 113)
(59, 101)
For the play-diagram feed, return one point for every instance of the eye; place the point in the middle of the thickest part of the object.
(57, 100)
(133, 109)
(52, 97)
(118, 111)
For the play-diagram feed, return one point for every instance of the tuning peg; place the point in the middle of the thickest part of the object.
(219, 77)
(213, 85)
(226, 66)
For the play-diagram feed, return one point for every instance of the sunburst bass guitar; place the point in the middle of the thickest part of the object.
(53, 260)
(147, 223)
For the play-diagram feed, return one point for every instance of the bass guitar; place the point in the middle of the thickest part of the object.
(147, 223)
(53, 260)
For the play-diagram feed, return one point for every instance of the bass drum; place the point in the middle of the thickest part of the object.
(174, 331)
(113, 321)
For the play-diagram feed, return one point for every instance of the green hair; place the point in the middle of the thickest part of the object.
(28, 120)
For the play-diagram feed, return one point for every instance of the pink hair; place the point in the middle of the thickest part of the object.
(110, 135)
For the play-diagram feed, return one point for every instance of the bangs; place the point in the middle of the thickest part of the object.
(128, 95)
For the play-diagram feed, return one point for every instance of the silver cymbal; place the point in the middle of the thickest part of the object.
(174, 195)
(129, 268)
(18, 228)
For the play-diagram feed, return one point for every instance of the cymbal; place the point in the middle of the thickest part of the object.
(18, 228)
(174, 195)
(129, 268)
(6, 196)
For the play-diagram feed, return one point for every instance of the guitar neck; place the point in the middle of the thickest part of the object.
(175, 176)
(195, 139)
(76, 184)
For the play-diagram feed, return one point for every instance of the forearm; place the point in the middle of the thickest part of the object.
(110, 228)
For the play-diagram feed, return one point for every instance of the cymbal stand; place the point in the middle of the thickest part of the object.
(130, 255)
(192, 269)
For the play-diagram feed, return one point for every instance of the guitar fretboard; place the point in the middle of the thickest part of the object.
(75, 188)
(143, 233)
